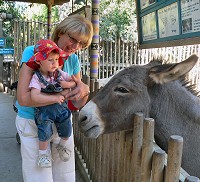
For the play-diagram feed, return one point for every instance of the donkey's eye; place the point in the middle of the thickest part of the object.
(121, 89)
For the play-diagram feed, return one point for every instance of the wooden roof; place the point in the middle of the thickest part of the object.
(54, 2)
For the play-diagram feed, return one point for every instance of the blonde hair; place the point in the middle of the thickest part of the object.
(75, 24)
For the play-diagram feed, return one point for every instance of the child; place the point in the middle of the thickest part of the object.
(49, 79)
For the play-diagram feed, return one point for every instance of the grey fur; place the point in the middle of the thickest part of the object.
(158, 91)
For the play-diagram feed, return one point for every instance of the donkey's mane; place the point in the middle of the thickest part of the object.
(184, 81)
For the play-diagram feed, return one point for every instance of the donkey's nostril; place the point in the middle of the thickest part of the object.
(83, 118)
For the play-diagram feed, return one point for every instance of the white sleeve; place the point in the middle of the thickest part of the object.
(35, 83)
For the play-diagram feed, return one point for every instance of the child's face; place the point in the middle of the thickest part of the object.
(51, 63)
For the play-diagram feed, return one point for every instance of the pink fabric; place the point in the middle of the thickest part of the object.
(35, 83)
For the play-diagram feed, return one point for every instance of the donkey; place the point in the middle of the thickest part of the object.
(159, 91)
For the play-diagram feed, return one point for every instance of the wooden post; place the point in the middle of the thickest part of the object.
(147, 149)
(158, 165)
(92, 81)
(49, 6)
(121, 156)
(127, 155)
(137, 147)
(95, 41)
(28, 32)
(175, 147)
(192, 179)
(96, 87)
(98, 158)
(115, 157)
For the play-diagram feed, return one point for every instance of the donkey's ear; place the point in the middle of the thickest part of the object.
(168, 72)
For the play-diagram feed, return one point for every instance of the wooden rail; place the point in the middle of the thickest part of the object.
(130, 155)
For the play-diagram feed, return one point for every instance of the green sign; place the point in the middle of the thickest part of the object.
(168, 23)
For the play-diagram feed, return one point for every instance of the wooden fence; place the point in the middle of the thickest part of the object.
(174, 55)
(129, 156)
(114, 56)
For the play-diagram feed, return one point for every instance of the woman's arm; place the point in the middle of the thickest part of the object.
(23, 90)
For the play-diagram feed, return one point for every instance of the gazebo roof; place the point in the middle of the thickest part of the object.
(54, 2)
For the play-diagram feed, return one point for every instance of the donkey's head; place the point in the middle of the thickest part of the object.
(112, 109)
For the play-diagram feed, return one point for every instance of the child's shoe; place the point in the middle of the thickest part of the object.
(44, 161)
(64, 153)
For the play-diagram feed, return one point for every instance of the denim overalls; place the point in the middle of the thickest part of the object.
(59, 114)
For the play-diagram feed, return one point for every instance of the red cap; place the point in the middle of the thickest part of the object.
(41, 52)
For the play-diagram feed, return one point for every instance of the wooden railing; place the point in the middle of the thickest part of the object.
(113, 56)
(130, 155)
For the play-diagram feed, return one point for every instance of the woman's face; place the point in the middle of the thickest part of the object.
(70, 43)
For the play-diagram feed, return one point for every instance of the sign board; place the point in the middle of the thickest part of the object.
(2, 42)
(164, 23)
(84, 11)
(7, 60)
(6, 51)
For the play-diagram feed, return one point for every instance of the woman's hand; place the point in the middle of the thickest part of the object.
(79, 94)
(80, 91)
(64, 92)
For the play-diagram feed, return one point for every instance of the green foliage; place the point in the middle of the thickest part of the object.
(117, 17)
(118, 20)
(42, 15)
(9, 8)
(8, 25)
(55, 15)
(23, 11)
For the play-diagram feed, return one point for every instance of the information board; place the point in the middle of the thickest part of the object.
(149, 26)
(146, 3)
(164, 23)
(190, 14)
(168, 21)
(2, 42)
(6, 51)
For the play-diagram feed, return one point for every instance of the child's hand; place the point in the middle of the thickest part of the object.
(60, 99)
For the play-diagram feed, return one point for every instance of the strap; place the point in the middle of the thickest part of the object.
(41, 78)
(57, 75)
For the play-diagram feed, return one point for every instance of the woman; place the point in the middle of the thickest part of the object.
(72, 34)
